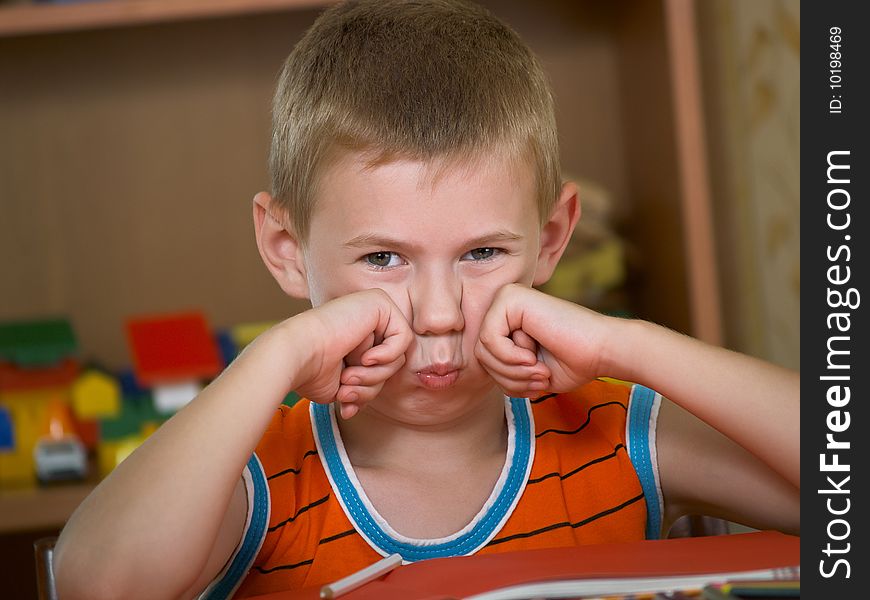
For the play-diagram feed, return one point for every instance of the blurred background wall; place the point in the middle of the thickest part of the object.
(751, 76)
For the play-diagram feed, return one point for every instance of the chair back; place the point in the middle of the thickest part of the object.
(44, 551)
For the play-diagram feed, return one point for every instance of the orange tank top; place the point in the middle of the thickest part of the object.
(580, 469)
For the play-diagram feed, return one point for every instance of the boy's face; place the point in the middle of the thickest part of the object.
(441, 247)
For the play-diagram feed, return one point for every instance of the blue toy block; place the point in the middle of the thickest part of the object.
(7, 431)
(226, 346)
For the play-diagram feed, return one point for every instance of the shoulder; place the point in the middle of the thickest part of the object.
(611, 425)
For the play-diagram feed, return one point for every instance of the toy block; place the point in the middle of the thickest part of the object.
(96, 395)
(134, 412)
(15, 377)
(88, 431)
(36, 343)
(107, 453)
(170, 398)
(130, 387)
(7, 431)
(245, 333)
(172, 348)
(110, 453)
(226, 346)
(27, 411)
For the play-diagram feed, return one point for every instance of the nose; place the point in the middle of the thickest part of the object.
(436, 304)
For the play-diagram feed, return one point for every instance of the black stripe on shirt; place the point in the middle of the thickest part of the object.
(325, 540)
(594, 461)
(337, 536)
(284, 567)
(586, 521)
(299, 512)
(585, 423)
(295, 471)
(542, 398)
(548, 396)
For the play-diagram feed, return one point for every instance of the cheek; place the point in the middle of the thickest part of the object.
(477, 296)
(332, 282)
(328, 279)
(479, 291)
(322, 288)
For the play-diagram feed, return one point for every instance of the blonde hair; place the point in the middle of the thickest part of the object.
(415, 79)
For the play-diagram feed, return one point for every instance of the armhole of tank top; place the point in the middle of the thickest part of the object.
(256, 523)
(640, 436)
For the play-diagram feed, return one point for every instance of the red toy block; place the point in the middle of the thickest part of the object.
(173, 347)
(88, 431)
(16, 378)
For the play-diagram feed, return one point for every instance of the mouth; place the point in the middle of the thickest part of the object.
(438, 377)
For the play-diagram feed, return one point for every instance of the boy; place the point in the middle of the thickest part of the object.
(416, 199)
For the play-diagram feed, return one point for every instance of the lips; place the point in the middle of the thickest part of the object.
(438, 377)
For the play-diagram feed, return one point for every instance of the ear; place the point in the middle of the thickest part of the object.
(279, 248)
(557, 231)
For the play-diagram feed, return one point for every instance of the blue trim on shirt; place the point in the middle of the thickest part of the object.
(462, 545)
(254, 535)
(640, 409)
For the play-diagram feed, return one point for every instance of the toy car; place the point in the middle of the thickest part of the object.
(60, 459)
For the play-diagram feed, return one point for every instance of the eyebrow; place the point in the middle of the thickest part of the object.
(373, 240)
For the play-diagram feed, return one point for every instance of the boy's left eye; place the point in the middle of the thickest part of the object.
(481, 254)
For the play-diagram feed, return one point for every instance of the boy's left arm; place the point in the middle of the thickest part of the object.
(730, 443)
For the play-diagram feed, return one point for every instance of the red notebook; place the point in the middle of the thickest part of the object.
(719, 557)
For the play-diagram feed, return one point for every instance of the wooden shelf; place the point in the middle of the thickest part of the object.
(30, 19)
(38, 508)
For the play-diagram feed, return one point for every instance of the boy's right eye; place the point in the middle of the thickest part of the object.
(382, 259)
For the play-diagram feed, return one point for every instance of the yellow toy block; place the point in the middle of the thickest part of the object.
(107, 455)
(244, 334)
(96, 395)
(28, 410)
(111, 453)
(16, 465)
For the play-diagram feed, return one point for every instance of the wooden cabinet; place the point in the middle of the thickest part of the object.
(134, 134)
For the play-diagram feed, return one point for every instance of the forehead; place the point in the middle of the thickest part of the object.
(441, 199)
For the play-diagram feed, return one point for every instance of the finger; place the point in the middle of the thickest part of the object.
(525, 386)
(524, 340)
(371, 375)
(348, 410)
(347, 394)
(358, 394)
(354, 357)
(505, 350)
(522, 388)
(490, 362)
(535, 372)
(389, 350)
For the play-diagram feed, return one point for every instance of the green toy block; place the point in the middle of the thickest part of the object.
(36, 343)
(135, 412)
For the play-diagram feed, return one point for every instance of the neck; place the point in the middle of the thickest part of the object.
(378, 438)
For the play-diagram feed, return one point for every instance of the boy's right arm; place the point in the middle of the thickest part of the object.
(167, 519)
